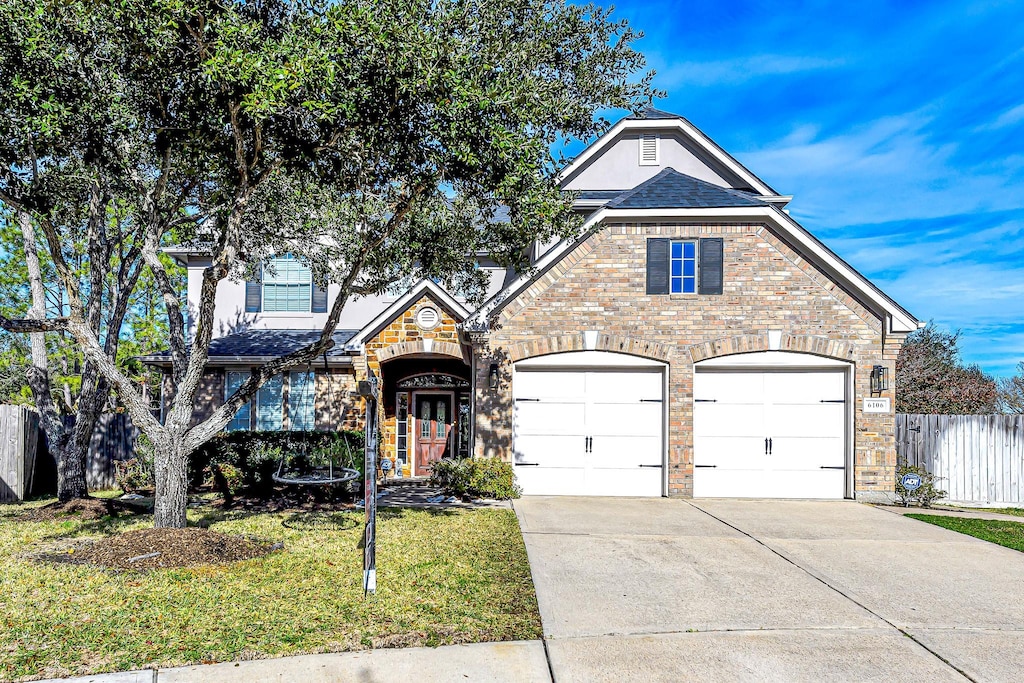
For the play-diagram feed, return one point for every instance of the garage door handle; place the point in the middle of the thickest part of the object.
(658, 466)
(833, 467)
(705, 465)
(766, 446)
(769, 446)
(527, 464)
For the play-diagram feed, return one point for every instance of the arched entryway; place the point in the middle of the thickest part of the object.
(426, 412)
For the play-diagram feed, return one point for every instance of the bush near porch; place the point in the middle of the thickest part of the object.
(476, 477)
(443, 577)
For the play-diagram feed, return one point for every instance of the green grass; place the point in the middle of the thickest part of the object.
(1009, 534)
(1016, 512)
(442, 578)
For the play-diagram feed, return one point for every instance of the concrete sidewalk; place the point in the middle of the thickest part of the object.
(967, 513)
(511, 662)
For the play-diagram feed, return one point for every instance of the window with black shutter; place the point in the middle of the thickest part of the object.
(685, 266)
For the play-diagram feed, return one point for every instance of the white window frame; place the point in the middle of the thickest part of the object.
(696, 266)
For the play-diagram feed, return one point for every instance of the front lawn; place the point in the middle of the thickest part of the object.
(443, 577)
(1009, 534)
(1016, 512)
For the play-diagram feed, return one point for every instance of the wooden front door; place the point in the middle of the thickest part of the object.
(433, 426)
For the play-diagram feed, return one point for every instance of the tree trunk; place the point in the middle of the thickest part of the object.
(171, 464)
(70, 457)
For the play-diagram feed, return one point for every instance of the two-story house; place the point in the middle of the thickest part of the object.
(695, 340)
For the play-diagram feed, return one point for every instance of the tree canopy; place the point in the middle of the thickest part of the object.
(370, 139)
(931, 377)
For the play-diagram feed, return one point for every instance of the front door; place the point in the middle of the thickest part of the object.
(433, 426)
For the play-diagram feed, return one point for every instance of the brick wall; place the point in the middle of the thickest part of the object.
(601, 286)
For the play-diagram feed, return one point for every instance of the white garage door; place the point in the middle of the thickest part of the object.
(588, 432)
(760, 434)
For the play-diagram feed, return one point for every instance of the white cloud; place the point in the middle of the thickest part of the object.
(1009, 117)
(740, 69)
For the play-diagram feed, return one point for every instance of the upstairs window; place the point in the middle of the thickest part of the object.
(685, 266)
(683, 262)
(285, 285)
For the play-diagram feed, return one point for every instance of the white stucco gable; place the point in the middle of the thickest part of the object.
(637, 149)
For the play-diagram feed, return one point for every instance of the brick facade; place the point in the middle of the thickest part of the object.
(600, 286)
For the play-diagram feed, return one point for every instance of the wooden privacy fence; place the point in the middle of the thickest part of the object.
(19, 439)
(977, 458)
(113, 439)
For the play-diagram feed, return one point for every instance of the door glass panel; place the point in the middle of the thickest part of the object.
(425, 420)
(442, 409)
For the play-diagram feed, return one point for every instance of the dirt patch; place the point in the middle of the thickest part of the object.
(79, 508)
(161, 548)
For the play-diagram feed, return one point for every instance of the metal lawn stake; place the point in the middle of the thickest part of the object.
(368, 389)
(910, 482)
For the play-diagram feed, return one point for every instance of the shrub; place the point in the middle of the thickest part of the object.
(136, 473)
(479, 478)
(925, 495)
(256, 455)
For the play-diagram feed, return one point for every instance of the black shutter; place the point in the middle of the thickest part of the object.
(711, 252)
(319, 299)
(657, 266)
(253, 295)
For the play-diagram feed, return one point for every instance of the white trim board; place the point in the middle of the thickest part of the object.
(589, 359)
(770, 359)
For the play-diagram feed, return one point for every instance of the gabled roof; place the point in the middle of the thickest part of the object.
(671, 189)
(255, 346)
(428, 287)
(897, 318)
(655, 118)
(650, 113)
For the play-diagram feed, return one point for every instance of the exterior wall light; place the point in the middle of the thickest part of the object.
(879, 380)
(492, 376)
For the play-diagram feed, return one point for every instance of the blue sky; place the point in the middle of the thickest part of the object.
(898, 128)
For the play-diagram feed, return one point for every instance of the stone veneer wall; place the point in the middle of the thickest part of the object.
(601, 287)
(403, 337)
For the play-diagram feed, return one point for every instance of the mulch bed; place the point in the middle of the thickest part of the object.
(162, 548)
(78, 508)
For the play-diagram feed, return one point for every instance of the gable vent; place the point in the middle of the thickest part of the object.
(649, 149)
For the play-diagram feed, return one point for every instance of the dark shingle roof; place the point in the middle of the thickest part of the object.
(600, 194)
(671, 189)
(265, 343)
(652, 113)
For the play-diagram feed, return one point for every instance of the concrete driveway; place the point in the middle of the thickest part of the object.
(726, 590)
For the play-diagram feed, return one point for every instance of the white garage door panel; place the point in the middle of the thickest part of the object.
(639, 482)
(631, 419)
(768, 484)
(730, 419)
(550, 450)
(800, 412)
(549, 418)
(729, 387)
(550, 385)
(587, 432)
(804, 387)
(816, 419)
